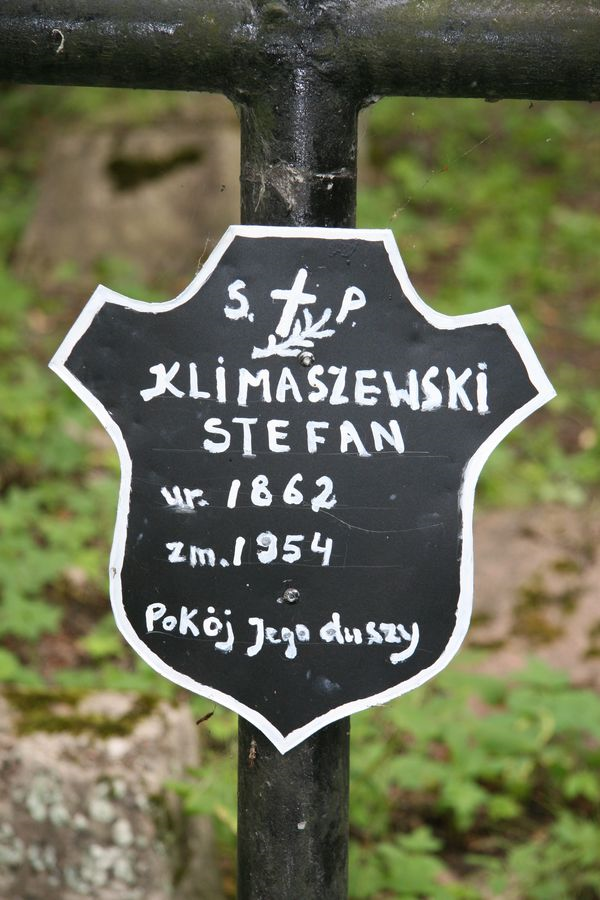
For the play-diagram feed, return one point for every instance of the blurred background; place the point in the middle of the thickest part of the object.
(484, 783)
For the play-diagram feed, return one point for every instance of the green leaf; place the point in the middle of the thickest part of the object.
(13, 672)
(104, 640)
(464, 800)
(582, 784)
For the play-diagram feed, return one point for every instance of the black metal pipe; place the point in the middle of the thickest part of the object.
(293, 816)
(448, 48)
(162, 44)
(298, 168)
(535, 50)
(299, 153)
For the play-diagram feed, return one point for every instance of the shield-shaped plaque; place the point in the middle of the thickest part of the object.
(300, 436)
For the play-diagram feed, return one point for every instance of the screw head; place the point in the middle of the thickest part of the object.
(291, 595)
(306, 358)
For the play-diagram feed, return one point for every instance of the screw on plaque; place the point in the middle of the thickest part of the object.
(306, 358)
(290, 595)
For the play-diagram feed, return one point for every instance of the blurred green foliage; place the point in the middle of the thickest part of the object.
(495, 204)
(471, 787)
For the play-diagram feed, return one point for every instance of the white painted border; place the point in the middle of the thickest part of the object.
(503, 316)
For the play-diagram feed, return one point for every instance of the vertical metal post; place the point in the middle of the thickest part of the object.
(298, 168)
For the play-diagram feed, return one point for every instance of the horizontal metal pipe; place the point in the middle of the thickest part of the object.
(529, 49)
(162, 44)
(476, 48)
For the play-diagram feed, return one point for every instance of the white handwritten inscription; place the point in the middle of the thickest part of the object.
(364, 387)
(464, 390)
(260, 494)
(257, 634)
(294, 332)
(242, 311)
(336, 386)
(294, 298)
(294, 547)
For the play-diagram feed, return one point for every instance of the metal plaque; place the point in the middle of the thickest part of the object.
(300, 436)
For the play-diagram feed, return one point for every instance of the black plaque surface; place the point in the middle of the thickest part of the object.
(300, 437)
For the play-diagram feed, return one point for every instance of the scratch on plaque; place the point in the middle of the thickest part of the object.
(384, 530)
